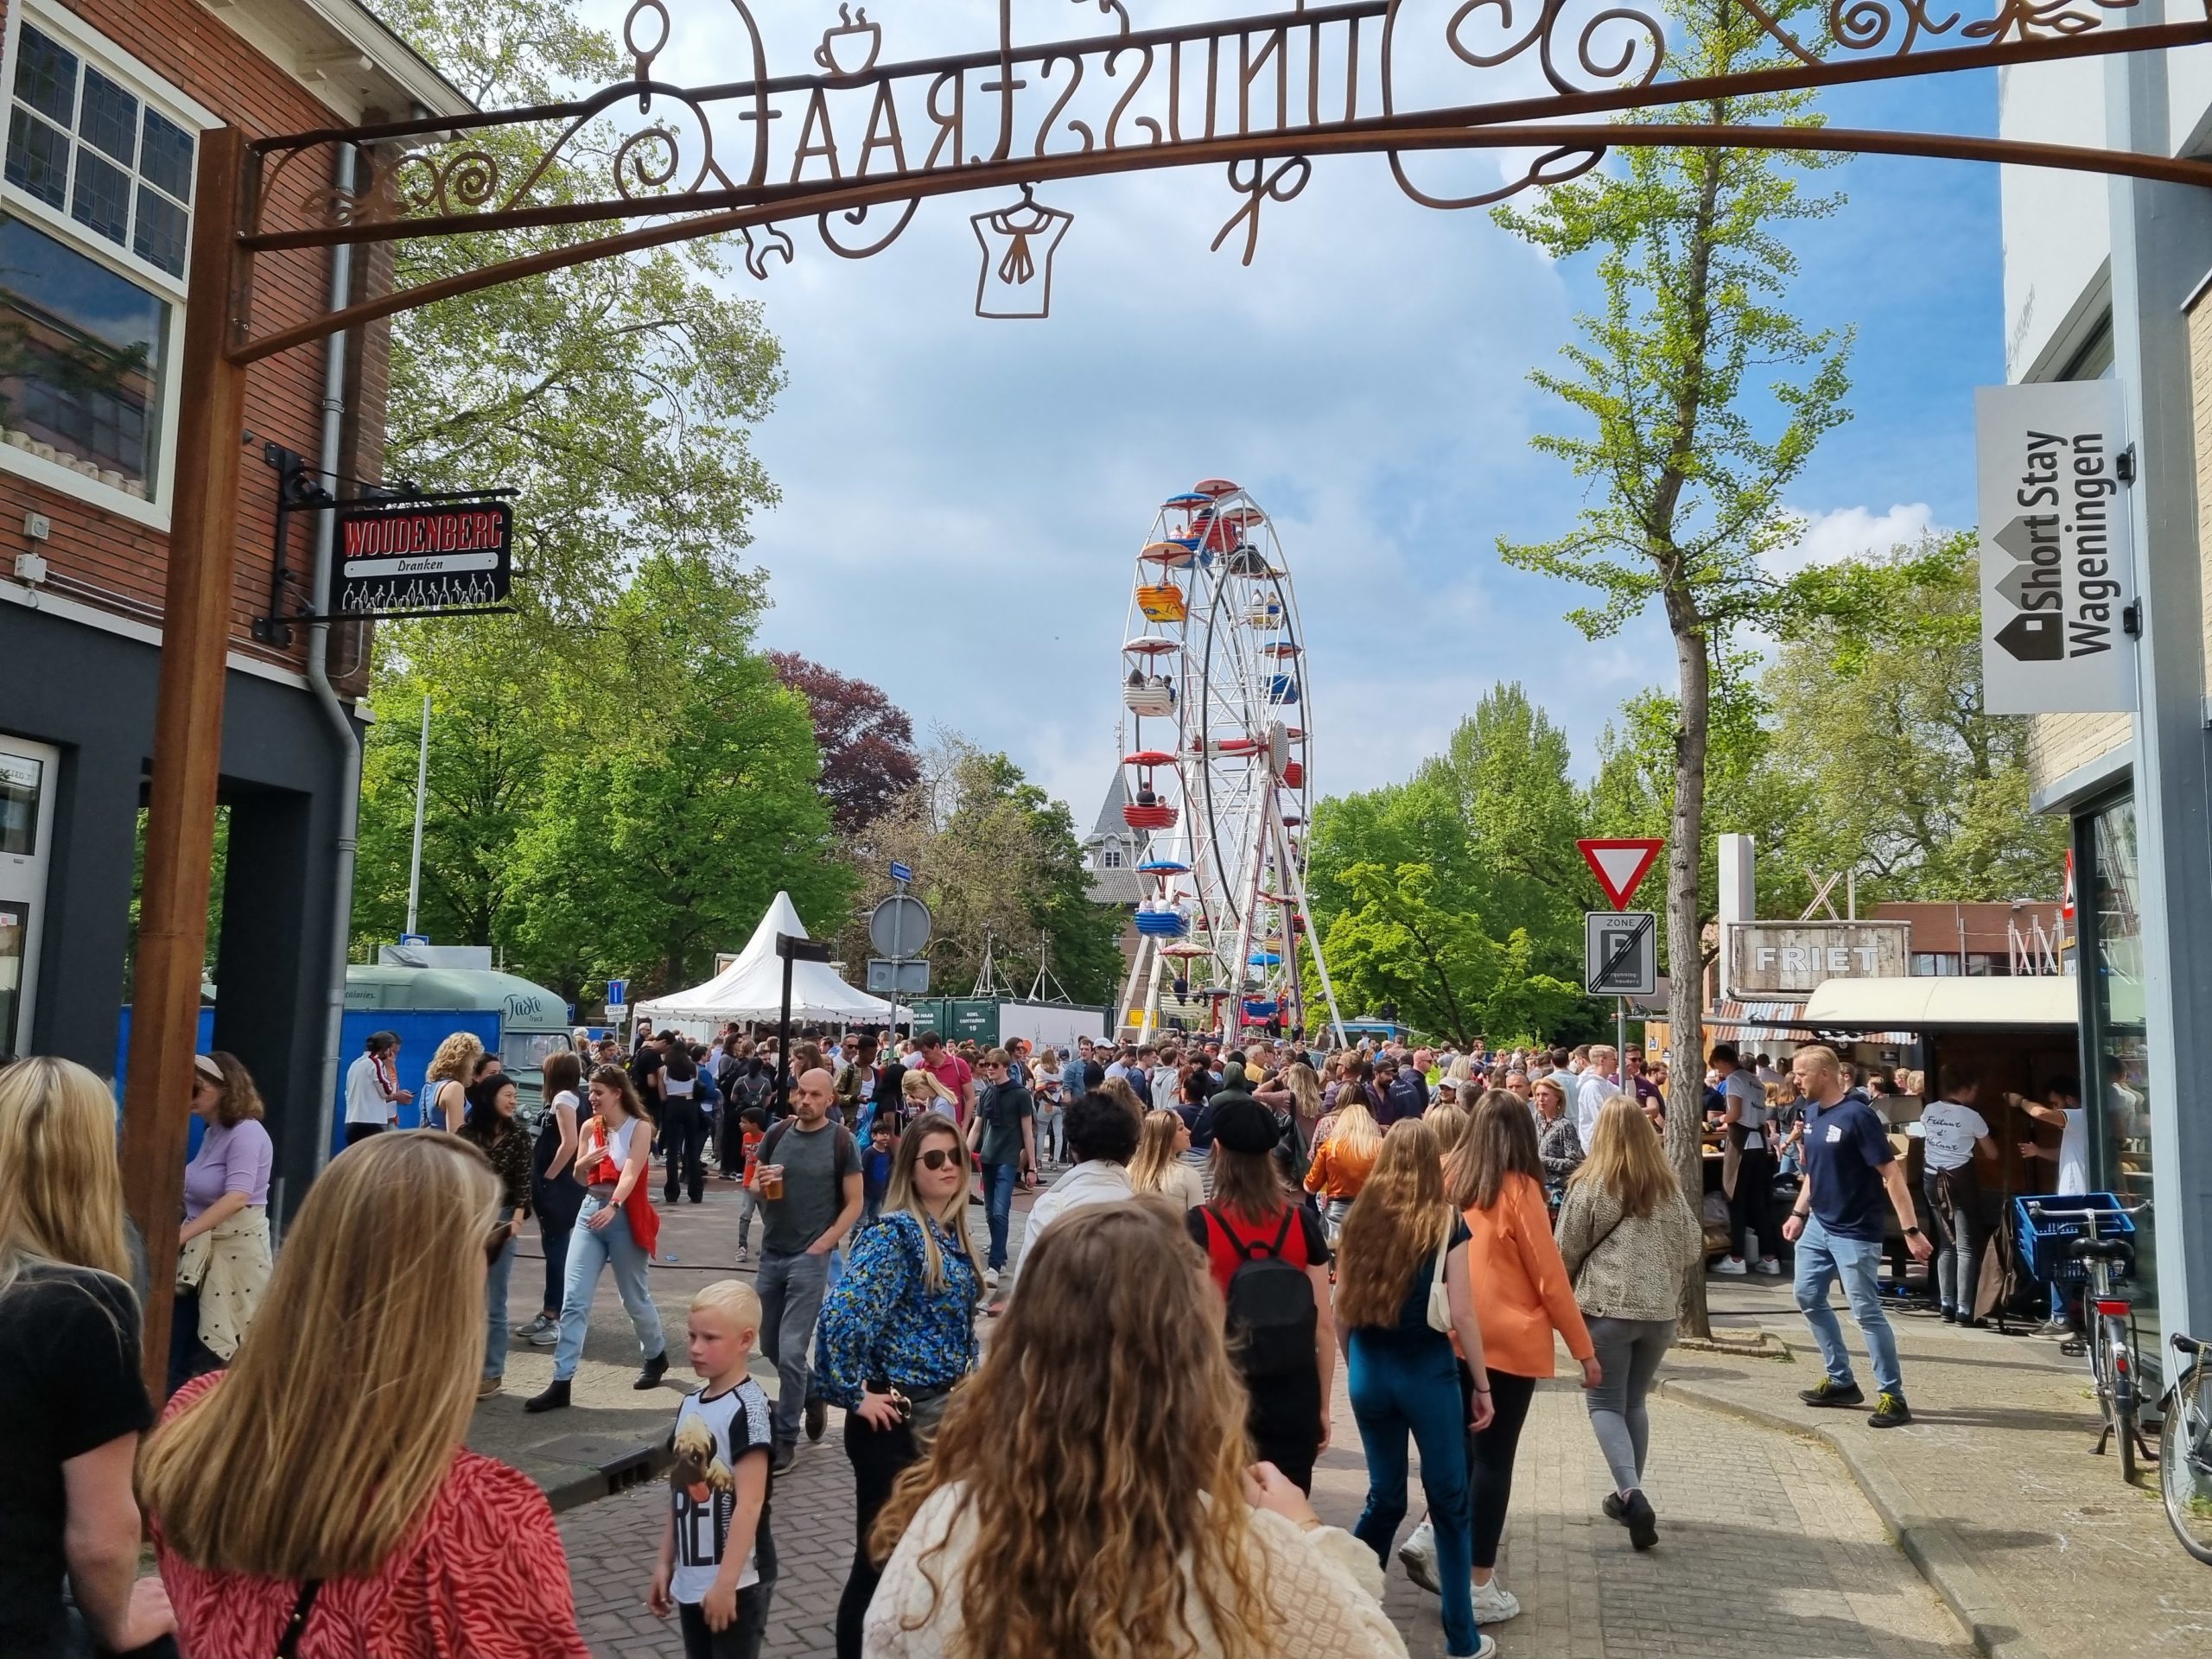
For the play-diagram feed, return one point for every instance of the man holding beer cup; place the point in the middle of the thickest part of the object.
(807, 1180)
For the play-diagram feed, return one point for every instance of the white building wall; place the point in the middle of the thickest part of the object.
(2057, 224)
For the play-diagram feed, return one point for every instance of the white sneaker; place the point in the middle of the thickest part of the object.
(1732, 1266)
(1418, 1556)
(1485, 1647)
(1770, 1266)
(990, 1278)
(1495, 1604)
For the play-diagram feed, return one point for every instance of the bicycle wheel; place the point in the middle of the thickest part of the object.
(2098, 1340)
(2185, 1461)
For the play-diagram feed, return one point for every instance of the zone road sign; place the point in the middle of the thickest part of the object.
(1620, 952)
(1621, 865)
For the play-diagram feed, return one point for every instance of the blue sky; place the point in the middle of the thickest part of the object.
(962, 499)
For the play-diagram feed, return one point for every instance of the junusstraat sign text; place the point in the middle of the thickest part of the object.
(403, 558)
(2057, 560)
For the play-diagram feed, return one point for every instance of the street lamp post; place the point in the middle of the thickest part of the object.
(791, 947)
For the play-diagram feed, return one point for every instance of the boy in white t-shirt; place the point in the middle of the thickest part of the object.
(717, 1562)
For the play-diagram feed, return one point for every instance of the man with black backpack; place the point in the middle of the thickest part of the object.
(1269, 1257)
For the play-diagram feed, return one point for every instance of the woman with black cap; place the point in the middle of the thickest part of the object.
(1272, 1263)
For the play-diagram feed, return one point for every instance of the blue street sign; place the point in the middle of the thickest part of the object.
(414, 938)
(900, 873)
(618, 993)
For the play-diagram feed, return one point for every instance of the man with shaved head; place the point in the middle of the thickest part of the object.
(807, 1179)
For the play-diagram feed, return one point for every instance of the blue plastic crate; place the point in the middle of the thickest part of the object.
(2038, 1239)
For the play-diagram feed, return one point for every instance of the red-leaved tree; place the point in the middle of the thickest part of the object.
(865, 740)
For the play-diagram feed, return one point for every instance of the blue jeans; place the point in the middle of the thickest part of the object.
(1402, 1385)
(1822, 1258)
(791, 1289)
(998, 1209)
(495, 1310)
(590, 1249)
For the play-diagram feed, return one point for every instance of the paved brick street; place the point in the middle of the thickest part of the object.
(1768, 1546)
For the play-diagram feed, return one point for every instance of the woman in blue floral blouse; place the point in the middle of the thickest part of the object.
(898, 1332)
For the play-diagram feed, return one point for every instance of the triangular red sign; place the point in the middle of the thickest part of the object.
(1621, 865)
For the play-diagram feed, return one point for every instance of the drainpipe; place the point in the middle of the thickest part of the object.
(349, 790)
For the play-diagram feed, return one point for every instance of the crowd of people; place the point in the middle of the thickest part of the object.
(1119, 1437)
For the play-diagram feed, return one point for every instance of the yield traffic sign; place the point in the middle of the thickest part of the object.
(1621, 865)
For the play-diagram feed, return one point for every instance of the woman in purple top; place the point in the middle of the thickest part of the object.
(225, 1240)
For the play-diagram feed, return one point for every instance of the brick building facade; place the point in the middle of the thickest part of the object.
(107, 101)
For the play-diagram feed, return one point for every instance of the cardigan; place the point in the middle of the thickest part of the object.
(1522, 1291)
(1324, 1585)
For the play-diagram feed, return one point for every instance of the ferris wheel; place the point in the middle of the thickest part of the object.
(1215, 751)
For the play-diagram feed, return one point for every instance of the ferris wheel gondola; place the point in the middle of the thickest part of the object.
(1213, 674)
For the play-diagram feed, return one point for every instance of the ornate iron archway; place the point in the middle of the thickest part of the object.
(1265, 97)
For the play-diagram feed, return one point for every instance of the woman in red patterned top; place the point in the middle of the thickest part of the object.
(321, 1480)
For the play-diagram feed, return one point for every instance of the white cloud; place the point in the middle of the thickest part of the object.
(1849, 532)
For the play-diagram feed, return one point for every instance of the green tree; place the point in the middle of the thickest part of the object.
(1439, 962)
(617, 396)
(1881, 738)
(1688, 459)
(996, 859)
(659, 840)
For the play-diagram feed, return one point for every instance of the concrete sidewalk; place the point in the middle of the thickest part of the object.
(2035, 1545)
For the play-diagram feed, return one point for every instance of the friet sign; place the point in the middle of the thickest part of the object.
(415, 558)
(2057, 561)
(1791, 959)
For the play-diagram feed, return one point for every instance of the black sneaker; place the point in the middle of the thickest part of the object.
(784, 1454)
(1832, 1393)
(1889, 1411)
(1643, 1524)
(1614, 1509)
(817, 1416)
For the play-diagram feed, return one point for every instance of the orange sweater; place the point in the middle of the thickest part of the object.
(1522, 1293)
(1335, 1176)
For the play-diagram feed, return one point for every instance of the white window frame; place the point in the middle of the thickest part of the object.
(25, 879)
(145, 84)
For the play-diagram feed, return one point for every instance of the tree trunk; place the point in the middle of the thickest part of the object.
(1685, 948)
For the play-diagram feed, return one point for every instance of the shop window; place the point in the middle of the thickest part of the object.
(95, 220)
(1940, 963)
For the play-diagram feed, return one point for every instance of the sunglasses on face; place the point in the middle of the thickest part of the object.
(937, 1158)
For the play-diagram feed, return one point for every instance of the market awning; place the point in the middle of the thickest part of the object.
(1933, 1002)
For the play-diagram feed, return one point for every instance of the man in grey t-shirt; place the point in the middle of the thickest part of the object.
(807, 1179)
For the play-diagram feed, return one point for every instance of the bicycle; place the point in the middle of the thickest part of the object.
(2106, 1260)
(2185, 1450)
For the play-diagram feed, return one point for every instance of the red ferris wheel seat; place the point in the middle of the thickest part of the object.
(1159, 816)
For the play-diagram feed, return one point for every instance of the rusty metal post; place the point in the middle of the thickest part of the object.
(187, 733)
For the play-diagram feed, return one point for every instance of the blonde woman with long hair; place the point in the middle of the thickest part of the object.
(1298, 1091)
(321, 1481)
(898, 1332)
(445, 1081)
(1350, 1141)
(1159, 1165)
(1125, 1519)
(1400, 1238)
(1626, 1236)
(70, 1389)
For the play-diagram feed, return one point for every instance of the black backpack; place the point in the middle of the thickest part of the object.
(1272, 1317)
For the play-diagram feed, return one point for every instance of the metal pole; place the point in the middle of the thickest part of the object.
(784, 1048)
(1620, 1048)
(187, 733)
(422, 786)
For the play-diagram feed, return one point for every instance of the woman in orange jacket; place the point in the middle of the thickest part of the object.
(1343, 1157)
(1523, 1299)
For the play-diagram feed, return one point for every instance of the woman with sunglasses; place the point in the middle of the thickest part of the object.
(897, 1332)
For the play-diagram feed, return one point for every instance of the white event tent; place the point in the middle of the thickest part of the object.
(752, 988)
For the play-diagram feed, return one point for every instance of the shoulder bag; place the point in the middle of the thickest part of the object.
(1439, 1295)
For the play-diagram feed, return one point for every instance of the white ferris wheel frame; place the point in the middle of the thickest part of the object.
(1231, 741)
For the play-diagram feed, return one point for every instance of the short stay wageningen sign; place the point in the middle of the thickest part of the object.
(410, 556)
(2057, 559)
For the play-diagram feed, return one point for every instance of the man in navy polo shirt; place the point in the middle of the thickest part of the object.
(1851, 1175)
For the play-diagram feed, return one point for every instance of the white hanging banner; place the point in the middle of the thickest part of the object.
(2057, 560)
